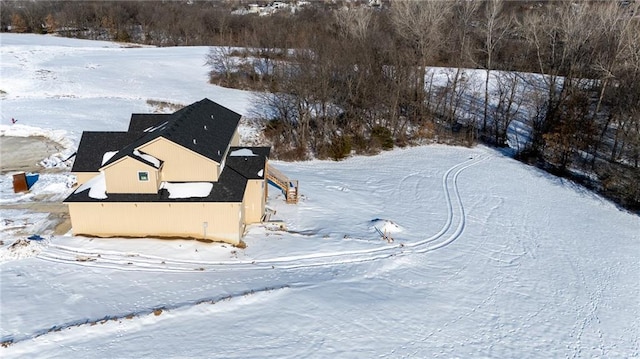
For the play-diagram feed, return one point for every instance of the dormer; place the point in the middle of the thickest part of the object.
(133, 173)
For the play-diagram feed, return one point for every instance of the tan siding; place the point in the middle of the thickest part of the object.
(104, 219)
(181, 164)
(235, 140)
(241, 221)
(254, 201)
(122, 177)
(82, 177)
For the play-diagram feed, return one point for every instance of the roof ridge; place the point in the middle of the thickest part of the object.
(185, 124)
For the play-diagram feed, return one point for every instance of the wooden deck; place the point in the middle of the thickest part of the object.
(288, 187)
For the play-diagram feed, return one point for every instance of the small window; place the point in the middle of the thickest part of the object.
(143, 176)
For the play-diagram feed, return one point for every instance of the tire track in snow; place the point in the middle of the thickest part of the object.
(142, 262)
(9, 340)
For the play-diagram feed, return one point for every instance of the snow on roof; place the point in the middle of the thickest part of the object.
(97, 187)
(188, 190)
(107, 156)
(158, 127)
(148, 158)
(243, 152)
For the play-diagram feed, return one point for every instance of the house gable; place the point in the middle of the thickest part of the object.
(131, 175)
(181, 164)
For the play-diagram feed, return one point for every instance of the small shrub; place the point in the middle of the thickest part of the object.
(365, 146)
(426, 131)
(383, 136)
(290, 154)
(123, 36)
(340, 147)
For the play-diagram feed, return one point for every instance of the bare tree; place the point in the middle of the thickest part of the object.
(615, 57)
(354, 23)
(509, 100)
(220, 60)
(558, 37)
(464, 13)
(421, 24)
(495, 27)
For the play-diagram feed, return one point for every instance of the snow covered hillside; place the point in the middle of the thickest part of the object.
(484, 257)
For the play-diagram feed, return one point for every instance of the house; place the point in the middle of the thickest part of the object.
(172, 175)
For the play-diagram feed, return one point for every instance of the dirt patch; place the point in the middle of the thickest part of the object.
(25, 153)
(58, 220)
(63, 227)
(19, 243)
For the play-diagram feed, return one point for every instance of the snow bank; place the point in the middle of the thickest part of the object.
(20, 249)
(385, 226)
(49, 187)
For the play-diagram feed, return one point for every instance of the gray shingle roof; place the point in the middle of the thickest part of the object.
(249, 167)
(93, 145)
(204, 127)
(143, 121)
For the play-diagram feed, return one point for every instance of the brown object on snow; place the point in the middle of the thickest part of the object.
(20, 182)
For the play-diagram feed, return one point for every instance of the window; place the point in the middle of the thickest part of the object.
(143, 176)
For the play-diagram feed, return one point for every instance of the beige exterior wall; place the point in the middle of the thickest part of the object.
(82, 177)
(235, 140)
(122, 177)
(155, 219)
(181, 164)
(254, 201)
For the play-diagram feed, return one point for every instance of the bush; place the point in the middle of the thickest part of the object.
(383, 136)
(361, 145)
(340, 147)
(286, 152)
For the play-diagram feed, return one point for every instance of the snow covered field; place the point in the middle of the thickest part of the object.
(489, 258)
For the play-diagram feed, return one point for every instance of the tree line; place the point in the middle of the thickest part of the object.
(559, 79)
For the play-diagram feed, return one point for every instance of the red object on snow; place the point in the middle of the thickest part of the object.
(20, 182)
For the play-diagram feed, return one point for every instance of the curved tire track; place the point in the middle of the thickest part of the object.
(141, 262)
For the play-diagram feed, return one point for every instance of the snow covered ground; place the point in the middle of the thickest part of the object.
(485, 258)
